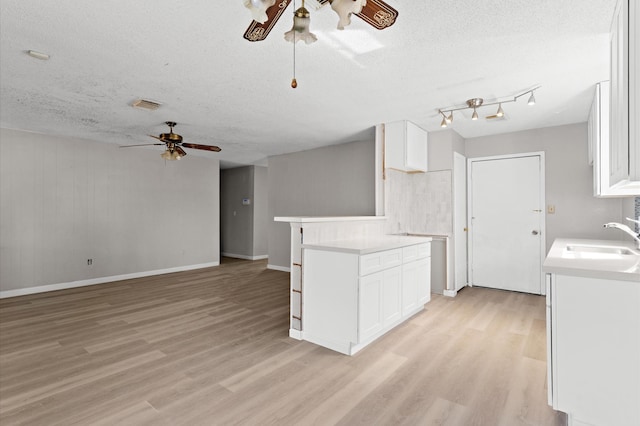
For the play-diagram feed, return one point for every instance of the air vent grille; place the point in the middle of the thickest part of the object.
(146, 104)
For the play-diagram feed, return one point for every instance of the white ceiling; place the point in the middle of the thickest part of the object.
(223, 90)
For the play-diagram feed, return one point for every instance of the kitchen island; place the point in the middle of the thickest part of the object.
(358, 289)
(593, 331)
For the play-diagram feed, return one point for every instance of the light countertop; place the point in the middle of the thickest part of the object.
(561, 261)
(317, 219)
(368, 245)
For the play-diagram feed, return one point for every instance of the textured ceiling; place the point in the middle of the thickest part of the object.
(223, 90)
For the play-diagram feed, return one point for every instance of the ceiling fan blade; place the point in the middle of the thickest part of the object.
(156, 137)
(180, 151)
(142, 144)
(378, 14)
(203, 147)
(258, 31)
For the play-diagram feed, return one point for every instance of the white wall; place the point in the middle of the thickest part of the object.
(65, 200)
(568, 179)
(336, 180)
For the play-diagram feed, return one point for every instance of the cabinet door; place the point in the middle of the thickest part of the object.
(619, 113)
(416, 148)
(391, 296)
(595, 349)
(410, 280)
(370, 306)
(424, 280)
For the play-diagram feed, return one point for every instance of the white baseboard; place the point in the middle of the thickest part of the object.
(245, 257)
(279, 268)
(449, 293)
(296, 334)
(101, 280)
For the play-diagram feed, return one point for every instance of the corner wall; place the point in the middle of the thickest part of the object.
(64, 201)
(335, 180)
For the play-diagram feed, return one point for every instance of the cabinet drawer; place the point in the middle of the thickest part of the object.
(409, 253)
(424, 250)
(374, 262)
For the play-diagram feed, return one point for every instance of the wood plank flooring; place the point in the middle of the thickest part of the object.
(211, 347)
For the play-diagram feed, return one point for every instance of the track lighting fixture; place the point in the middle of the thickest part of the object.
(475, 103)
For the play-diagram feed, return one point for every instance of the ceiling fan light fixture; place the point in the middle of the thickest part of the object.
(259, 8)
(300, 29)
(474, 117)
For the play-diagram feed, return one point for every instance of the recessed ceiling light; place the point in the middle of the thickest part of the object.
(38, 55)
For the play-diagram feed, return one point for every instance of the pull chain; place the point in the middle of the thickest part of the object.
(294, 82)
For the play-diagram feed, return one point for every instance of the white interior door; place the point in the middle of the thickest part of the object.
(506, 227)
(459, 220)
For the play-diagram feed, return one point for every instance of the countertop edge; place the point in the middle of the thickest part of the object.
(319, 219)
(361, 247)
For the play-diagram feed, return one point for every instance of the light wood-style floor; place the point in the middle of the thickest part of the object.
(211, 347)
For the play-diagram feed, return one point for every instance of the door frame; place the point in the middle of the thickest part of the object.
(543, 221)
(460, 233)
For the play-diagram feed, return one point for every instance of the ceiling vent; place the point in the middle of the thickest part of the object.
(146, 104)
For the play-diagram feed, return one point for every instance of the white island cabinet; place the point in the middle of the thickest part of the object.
(357, 290)
(593, 333)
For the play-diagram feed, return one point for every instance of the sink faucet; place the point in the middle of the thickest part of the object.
(625, 228)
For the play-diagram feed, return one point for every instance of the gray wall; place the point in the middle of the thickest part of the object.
(243, 227)
(568, 179)
(442, 145)
(65, 200)
(260, 213)
(337, 180)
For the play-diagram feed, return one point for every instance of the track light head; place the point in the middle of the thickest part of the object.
(444, 123)
(449, 119)
(532, 99)
(474, 117)
(500, 112)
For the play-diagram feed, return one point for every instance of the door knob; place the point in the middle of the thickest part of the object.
(534, 232)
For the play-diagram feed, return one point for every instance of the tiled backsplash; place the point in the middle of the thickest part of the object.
(418, 202)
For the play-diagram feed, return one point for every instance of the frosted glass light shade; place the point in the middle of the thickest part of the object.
(300, 29)
(344, 9)
(170, 156)
(259, 8)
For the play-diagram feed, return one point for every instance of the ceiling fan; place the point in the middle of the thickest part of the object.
(266, 13)
(174, 144)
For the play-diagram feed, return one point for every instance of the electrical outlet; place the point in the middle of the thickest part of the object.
(551, 209)
(89, 262)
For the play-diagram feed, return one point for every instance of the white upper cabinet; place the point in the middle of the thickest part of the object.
(623, 145)
(405, 146)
